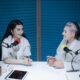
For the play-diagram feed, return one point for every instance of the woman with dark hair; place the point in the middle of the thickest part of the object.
(71, 35)
(15, 46)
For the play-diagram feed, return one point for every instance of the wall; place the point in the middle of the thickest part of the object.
(25, 10)
(55, 13)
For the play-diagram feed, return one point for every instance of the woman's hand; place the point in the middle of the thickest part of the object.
(51, 60)
(58, 64)
(54, 62)
(27, 61)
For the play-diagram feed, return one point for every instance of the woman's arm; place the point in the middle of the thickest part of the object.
(27, 48)
(25, 61)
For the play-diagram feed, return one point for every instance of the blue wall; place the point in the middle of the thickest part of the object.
(25, 10)
(55, 13)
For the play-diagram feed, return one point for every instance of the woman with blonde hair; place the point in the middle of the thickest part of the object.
(71, 35)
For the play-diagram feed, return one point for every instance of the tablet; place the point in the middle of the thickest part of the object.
(16, 75)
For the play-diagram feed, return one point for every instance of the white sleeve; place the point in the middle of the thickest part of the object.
(5, 53)
(67, 66)
(59, 56)
(24, 49)
(27, 51)
(76, 62)
(27, 48)
(59, 52)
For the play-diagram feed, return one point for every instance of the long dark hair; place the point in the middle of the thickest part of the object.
(77, 26)
(11, 26)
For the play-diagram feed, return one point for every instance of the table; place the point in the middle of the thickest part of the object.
(73, 76)
(38, 71)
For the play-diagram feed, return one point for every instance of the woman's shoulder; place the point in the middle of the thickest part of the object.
(7, 39)
(25, 40)
(78, 41)
(77, 44)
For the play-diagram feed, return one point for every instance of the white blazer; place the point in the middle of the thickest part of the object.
(18, 51)
(67, 57)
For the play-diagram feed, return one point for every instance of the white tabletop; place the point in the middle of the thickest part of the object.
(38, 71)
(73, 76)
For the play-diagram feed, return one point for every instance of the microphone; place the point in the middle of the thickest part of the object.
(67, 50)
(16, 42)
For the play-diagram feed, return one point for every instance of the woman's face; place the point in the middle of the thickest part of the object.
(18, 31)
(68, 33)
